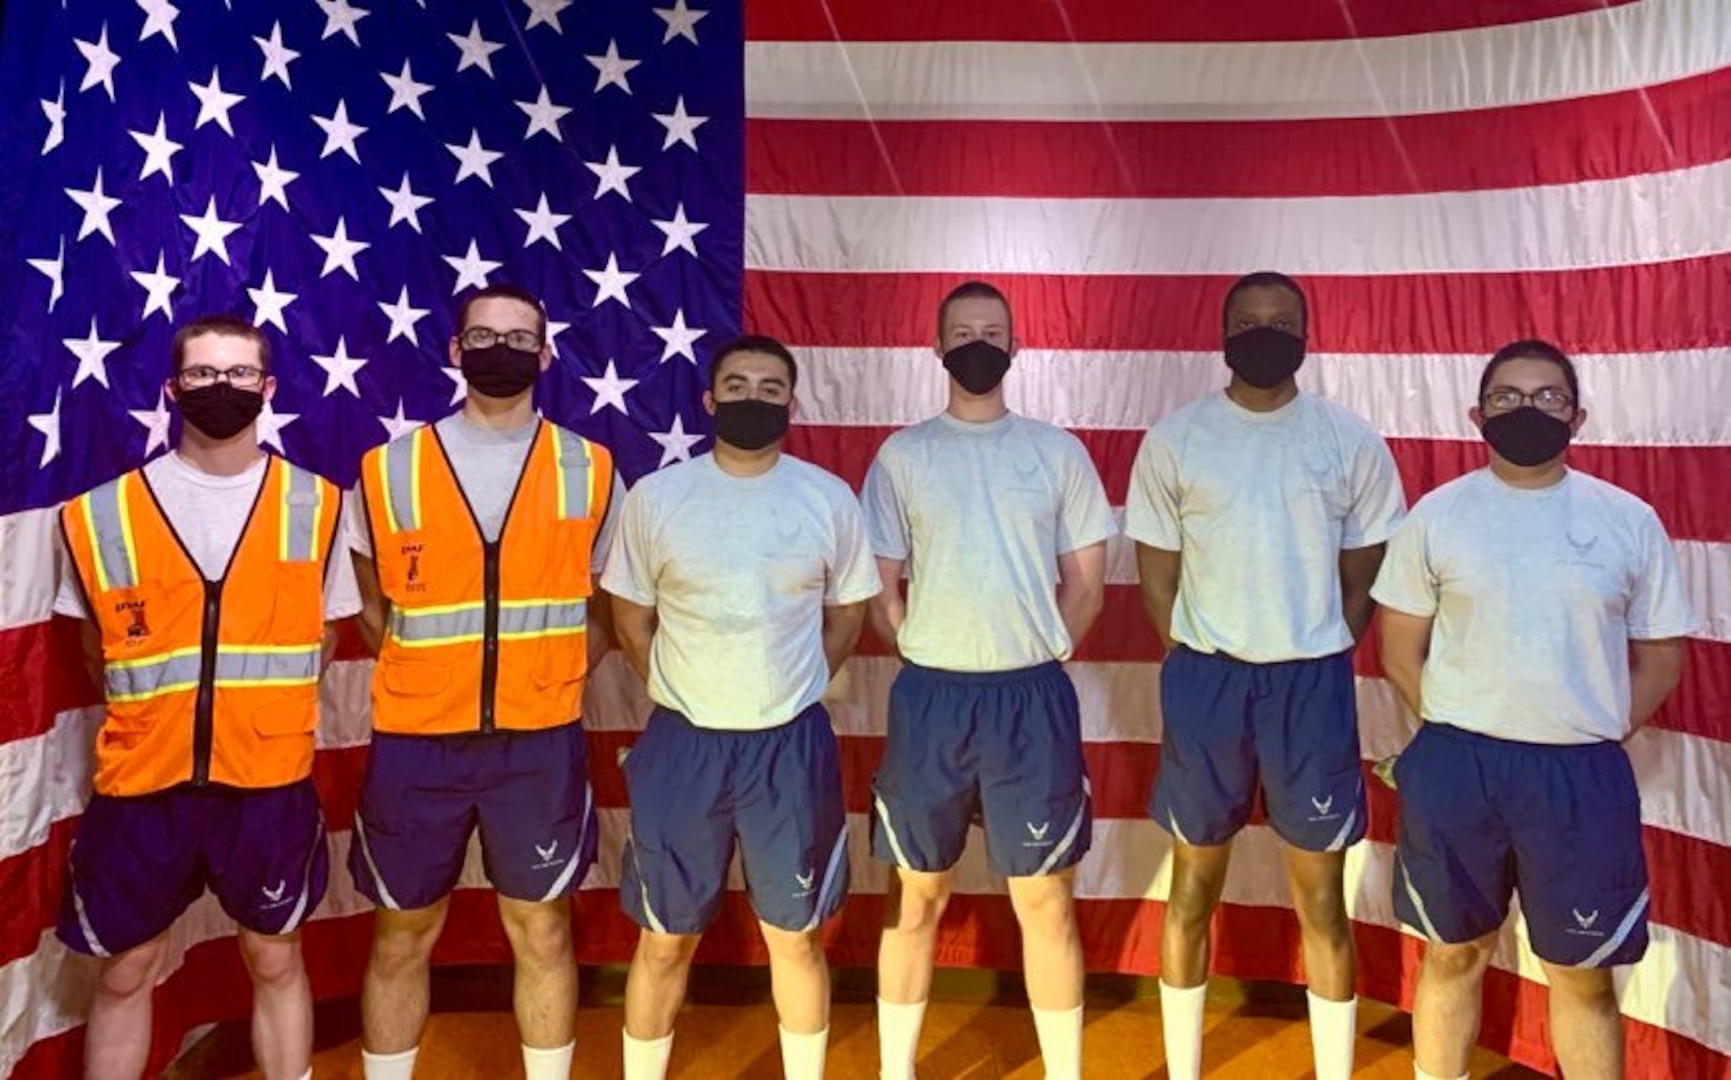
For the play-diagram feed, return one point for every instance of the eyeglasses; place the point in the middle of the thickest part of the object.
(1548, 400)
(485, 337)
(241, 377)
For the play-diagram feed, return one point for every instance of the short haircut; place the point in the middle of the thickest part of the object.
(1532, 349)
(757, 343)
(225, 325)
(1259, 280)
(970, 290)
(502, 290)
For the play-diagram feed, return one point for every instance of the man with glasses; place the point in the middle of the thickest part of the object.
(1533, 617)
(207, 583)
(478, 540)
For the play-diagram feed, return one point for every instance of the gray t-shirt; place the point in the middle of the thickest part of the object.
(738, 570)
(980, 513)
(1536, 595)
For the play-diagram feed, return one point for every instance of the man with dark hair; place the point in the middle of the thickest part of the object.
(207, 583)
(1260, 515)
(478, 540)
(739, 587)
(1002, 523)
(1533, 617)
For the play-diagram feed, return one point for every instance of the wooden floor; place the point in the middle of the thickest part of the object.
(977, 1028)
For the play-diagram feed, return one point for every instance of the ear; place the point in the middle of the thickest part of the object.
(268, 390)
(1477, 416)
(1015, 347)
(1580, 418)
(454, 350)
(938, 348)
(171, 387)
(792, 406)
(546, 356)
(709, 402)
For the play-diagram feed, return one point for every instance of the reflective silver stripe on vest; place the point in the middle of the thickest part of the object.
(573, 475)
(451, 625)
(400, 478)
(108, 528)
(254, 667)
(136, 680)
(301, 498)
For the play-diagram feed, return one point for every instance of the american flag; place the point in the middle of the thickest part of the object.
(1443, 177)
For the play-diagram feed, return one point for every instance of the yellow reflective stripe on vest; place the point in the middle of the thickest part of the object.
(400, 477)
(576, 479)
(237, 667)
(302, 499)
(455, 624)
(110, 528)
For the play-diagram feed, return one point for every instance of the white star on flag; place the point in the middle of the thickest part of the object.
(273, 181)
(477, 51)
(270, 303)
(270, 424)
(340, 251)
(403, 317)
(681, 233)
(543, 116)
(55, 111)
(212, 232)
(92, 353)
(155, 422)
(340, 369)
(399, 425)
(681, 126)
(678, 338)
(675, 443)
(55, 270)
(406, 93)
(471, 268)
(609, 389)
(48, 424)
(340, 134)
(405, 204)
(610, 175)
(545, 13)
(461, 390)
(277, 56)
(159, 150)
(214, 103)
(610, 282)
(474, 159)
(159, 289)
(340, 18)
(611, 69)
(159, 16)
(100, 72)
(97, 205)
(543, 224)
(681, 22)
(554, 329)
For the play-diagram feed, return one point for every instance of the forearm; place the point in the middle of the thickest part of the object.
(1358, 607)
(635, 629)
(1406, 673)
(840, 635)
(1079, 606)
(1654, 672)
(1158, 602)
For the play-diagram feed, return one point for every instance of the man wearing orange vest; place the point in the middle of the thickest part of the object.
(477, 541)
(207, 581)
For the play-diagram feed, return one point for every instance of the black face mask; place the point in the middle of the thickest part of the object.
(1264, 357)
(1526, 436)
(979, 366)
(499, 371)
(219, 410)
(750, 424)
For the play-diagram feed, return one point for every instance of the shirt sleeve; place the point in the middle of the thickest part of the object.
(886, 520)
(69, 591)
(359, 534)
(342, 593)
(1406, 582)
(853, 572)
(630, 572)
(1659, 607)
(1085, 518)
(1151, 514)
(1378, 501)
(604, 536)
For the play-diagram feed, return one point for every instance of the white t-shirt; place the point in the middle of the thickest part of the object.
(1260, 505)
(738, 570)
(980, 513)
(209, 513)
(1535, 595)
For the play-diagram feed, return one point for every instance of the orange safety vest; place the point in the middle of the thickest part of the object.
(483, 636)
(208, 682)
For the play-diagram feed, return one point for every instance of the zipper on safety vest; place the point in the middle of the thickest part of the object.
(490, 632)
(204, 712)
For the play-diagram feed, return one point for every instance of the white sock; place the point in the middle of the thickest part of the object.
(308, 1075)
(1181, 1017)
(646, 1059)
(1420, 1074)
(552, 1064)
(802, 1055)
(899, 1038)
(389, 1066)
(1060, 1033)
(1333, 1030)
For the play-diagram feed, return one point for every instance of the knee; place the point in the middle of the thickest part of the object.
(134, 971)
(1046, 913)
(541, 937)
(1322, 909)
(1586, 986)
(1192, 901)
(1458, 961)
(666, 953)
(271, 960)
(402, 942)
(921, 902)
(793, 947)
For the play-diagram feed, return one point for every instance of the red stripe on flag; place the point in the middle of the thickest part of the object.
(1673, 126)
(41, 676)
(1111, 20)
(1645, 308)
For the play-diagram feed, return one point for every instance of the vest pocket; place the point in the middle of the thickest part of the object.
(416, 677)
(560, 663)
(284, 718)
